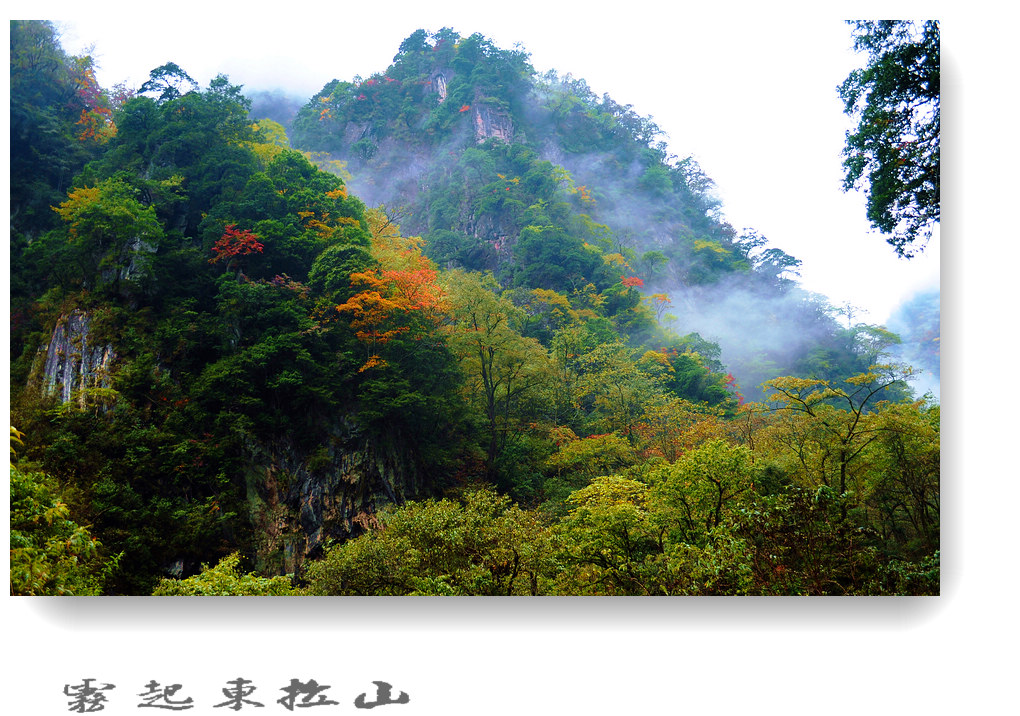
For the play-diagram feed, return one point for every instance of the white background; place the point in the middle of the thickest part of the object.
(953, 654)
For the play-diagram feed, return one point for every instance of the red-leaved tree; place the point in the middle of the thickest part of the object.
(233, 245)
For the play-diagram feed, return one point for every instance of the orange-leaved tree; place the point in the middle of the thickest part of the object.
(401, 296)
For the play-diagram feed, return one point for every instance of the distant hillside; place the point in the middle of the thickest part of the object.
(536, 178)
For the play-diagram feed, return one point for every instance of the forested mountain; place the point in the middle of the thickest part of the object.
(547, 185)
(456, 328)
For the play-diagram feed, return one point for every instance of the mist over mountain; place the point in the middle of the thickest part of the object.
(468, 145)
(917, 321)
(279, 105)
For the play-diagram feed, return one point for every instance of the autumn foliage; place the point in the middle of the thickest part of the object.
(96, 124)
(402, 296)
(416, 288)
(387, 303)
(371, 308)
(96, 119)
(235, 243)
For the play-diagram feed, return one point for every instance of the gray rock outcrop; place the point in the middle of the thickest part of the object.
(74, 359)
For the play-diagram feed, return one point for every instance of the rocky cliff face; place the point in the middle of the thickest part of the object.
(492, 123)
(298, 502)
(74, 360)
(437, 83)
(133, 268)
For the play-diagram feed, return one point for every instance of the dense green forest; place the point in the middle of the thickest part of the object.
(427, 336)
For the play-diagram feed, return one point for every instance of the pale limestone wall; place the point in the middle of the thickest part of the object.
(491, 123)
(73, 360)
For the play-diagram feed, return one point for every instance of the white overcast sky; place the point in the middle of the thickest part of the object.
(750, 94)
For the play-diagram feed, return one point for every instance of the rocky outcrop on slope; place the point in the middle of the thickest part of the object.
(74, 360)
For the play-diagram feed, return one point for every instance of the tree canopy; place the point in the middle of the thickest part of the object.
(894, 151)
